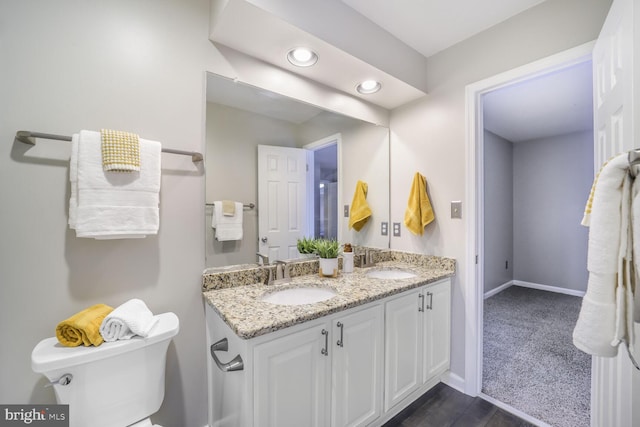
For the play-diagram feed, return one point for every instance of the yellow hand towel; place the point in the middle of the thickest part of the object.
(83, 327)
(120, 151)
(228, 208)
(419, 212)
(360, 211)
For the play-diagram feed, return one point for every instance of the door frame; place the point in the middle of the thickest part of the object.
(336, 139)
(474, 230)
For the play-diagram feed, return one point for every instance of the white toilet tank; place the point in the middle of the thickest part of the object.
(113, 385)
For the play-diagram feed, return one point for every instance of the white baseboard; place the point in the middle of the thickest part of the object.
(453, 381)
(499, 289)
(531, 285)
(565, 291)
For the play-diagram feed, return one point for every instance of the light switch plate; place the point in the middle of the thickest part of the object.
(384, 228)
(346, 211)
(396, 229)
(456, 209)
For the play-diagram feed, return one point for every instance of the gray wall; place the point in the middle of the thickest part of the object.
(428, 135)
(552, 179)
(498, 211)
(69, 65)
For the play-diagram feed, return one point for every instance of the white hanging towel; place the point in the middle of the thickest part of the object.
(227, 227)
(128, 320)
(603, 322)
(112, 205)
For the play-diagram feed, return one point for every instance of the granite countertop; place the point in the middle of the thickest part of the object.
(241, 307)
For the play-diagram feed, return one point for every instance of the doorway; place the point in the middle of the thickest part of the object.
(476, 254)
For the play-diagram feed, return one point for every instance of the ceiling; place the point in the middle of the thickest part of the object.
(558, 103)
(430, 26)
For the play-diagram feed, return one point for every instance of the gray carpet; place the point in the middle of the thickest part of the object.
(530, 362)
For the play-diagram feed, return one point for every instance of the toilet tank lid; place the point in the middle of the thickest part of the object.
(49, 354)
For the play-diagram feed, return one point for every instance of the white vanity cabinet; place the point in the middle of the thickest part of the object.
(417, 329)
(338, 361)
(357, 367)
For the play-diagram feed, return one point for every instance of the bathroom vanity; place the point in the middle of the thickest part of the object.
(372, 342)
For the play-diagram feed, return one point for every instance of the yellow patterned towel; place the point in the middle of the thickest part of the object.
(228, 208)
(360, 211)
(419, 212)
(586, 219)
(83, 327)
(120, 151)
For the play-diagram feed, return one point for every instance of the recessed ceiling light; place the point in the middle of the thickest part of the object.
(302, 57)
(369, 86)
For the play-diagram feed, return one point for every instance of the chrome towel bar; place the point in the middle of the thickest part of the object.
(29, 137)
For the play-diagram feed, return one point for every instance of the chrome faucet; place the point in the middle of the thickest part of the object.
(366, 259)
(265, 263)
(282, 272)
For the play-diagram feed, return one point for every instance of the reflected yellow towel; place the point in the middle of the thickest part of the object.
(360, 211)
(120, 151)
(419, 212)
(83, 327)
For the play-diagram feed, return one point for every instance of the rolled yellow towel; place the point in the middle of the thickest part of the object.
(419, 212)
(83, 327)
(360, 210)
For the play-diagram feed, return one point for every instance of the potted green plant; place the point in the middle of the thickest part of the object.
(328, 251)
(307, 247)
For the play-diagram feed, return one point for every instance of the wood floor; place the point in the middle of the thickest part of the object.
(443, 406)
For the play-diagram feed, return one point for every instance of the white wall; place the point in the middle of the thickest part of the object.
(428, 135)
(71, 65)
(498, 211)
(551, 181)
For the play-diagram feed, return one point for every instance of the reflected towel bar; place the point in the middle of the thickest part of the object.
(28, 137)
(249, 206)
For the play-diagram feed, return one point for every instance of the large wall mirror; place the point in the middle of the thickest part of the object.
(291, 168)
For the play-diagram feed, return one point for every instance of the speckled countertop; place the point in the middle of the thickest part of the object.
(235, 293)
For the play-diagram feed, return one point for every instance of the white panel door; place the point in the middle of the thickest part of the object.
(291, 380)
(282, 181)
(437, 330)
(615, 397)
(357, 368)
(403, 347)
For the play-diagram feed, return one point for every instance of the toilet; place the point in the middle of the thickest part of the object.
(117, 384)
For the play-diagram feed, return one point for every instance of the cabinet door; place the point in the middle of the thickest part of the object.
(403, 347)
(437, 329)
(291, 380)
(357, 368)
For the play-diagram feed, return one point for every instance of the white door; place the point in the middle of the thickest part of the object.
(437, 330)
(403, 347)
(615, 397)
(357, 368)
(291, 380)
(282, 178)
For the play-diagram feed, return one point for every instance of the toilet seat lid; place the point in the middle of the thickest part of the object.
(50, 355)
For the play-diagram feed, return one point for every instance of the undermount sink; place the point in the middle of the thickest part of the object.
(390, 273)
(299, 295)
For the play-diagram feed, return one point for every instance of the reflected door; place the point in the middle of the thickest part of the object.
(282, 181)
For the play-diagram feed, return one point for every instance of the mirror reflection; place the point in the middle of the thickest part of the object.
(278, 169)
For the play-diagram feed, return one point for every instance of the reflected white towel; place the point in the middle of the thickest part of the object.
(73, 178)
(227, 227)
(128, 320)
(115, 205)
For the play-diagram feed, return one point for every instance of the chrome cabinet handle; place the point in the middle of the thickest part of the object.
(421, 308)
(430, 305)
(236, 364)
(341, 326)
(325, 350)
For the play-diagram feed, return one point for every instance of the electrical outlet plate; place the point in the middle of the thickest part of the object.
(384, 228)
(396, 229)
(346, 211)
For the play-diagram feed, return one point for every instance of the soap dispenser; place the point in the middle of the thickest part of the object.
(347, 258)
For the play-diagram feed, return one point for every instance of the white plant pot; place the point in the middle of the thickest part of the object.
(329, 266)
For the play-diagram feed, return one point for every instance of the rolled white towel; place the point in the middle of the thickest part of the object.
(128, 320)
